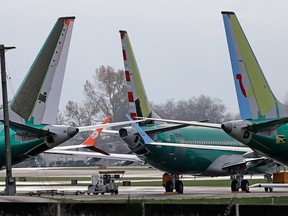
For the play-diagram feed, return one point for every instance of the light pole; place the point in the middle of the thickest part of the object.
(10, 181)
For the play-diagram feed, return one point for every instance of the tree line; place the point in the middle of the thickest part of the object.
(106, 95)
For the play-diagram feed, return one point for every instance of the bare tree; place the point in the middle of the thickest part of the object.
(200, 108)
(107, 92)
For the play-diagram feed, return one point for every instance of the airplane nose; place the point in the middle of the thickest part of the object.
(227, 127)
(72, 131)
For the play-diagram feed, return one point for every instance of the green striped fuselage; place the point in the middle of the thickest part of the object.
(19, 146)
(270, 145)
(207, 146)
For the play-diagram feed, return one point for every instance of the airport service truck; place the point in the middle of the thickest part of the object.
(102, 183)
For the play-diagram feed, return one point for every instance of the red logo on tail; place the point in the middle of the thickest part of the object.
(239, 77)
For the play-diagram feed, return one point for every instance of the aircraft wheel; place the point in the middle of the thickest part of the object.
(116, 191)
(245, 185)
(266, 189)
(179, 186)
(234, 185)
(169, 186)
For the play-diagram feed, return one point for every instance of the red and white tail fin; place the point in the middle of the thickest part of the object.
(89, 142)
(139, 105)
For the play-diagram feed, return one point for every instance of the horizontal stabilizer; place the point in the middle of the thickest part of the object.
(27, 130)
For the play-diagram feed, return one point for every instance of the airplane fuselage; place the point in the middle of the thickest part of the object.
(18, 148)
(29, 143)
(271, 143)
(197, 151)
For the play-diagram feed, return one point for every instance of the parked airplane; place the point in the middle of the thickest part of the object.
(36, 102)
(264, 121)
(96, 153)
(33, 110)
(184, 150)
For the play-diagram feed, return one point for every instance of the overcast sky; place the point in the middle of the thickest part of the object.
(180, 46)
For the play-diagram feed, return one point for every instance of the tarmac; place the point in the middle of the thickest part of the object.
(65, 190)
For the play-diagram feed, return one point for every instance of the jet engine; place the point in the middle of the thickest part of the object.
(129, 135)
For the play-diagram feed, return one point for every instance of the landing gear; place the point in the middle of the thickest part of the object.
(179, 187)
(269, 179)
(238, 182)
(169, 186)
(171, 182)
(234, 185)
(245, 185)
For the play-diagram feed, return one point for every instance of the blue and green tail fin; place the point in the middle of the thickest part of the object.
(255, 98)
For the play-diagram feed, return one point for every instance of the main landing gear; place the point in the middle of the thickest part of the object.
(171, 182)
(238, 182)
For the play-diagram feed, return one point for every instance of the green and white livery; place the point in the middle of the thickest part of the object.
(264, 126)
(33, 109)
(180, 148)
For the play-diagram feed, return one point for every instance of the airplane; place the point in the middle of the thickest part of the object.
(95, 154)
(180, 148)
(263, 125)
(35, 104)
(264, 119)
(33, 109)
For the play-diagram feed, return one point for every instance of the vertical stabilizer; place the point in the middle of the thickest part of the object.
(255, 98)
(138, 102)
(37, 99)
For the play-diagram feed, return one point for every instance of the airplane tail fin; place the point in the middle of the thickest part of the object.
(37, 99)
(255, 98)
(139, 105)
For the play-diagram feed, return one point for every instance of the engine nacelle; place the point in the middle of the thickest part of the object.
(236, 129)
(130, 136)
(60, 134)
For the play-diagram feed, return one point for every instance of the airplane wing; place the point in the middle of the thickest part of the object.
(123, 157)
(148, 141)
(266, 125)
(89, 142)
(233, 162)
(249, 162)
(187, 123)
(108, 125)
(28, 130)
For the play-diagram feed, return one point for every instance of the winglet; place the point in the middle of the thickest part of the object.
(93, 137)
(89, 142)
(145, 137)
